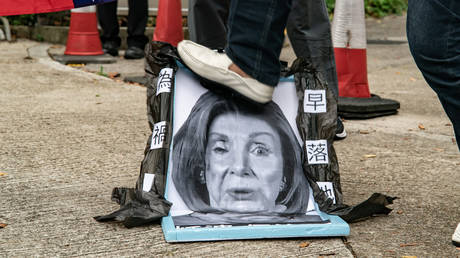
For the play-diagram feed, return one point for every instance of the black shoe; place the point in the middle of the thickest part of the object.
(134, 53)
(340, 132)
(110, 48)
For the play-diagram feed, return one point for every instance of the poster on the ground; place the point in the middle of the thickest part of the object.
(235, 168)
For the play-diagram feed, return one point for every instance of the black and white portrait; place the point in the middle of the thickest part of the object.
(238, 163)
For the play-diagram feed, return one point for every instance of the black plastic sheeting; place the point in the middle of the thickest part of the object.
(139, 208)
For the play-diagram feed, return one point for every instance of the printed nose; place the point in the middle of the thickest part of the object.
(240, 165)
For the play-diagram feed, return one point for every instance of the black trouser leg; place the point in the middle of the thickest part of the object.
(207, 22)
(107, 16)
(137, 20)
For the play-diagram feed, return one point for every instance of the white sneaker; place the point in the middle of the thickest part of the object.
(213, 66)
(456, 236)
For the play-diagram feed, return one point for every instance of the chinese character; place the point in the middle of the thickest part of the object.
(315, 101)
(164, 80)
(158, 135)
(317, 152)
(328, 189)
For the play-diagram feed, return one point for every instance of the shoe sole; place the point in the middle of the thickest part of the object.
(341, 136)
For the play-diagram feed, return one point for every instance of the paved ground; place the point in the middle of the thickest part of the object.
(68, 137)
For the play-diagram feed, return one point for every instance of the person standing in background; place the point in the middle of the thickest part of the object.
(137, 21)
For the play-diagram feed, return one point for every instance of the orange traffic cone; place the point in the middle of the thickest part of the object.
(83, 42)
(83, 38)
(349, 40)
(169, 22)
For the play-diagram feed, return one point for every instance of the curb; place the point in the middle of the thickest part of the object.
(39, 52)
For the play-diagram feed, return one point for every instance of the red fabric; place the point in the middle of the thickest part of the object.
(16, 7)
(169, 22)
(352, 72)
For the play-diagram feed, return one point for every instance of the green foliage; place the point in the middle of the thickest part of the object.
(26, 19)
(101, 72)
(380, 8)
(376, 8)
(330, 6)
(54, 18)
(39, 37)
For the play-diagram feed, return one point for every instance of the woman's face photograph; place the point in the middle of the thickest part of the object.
(244, 164)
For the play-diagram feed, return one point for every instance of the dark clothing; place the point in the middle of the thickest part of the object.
(308, 27)
(207, 22)
(309, 31)
(137, 20)
(433, 32)
(255, 37)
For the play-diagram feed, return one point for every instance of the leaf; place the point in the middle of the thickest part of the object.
(421, 127)
(412, 79)
(399, 212)
(76, 65)
(369, 156)
(409, 244)
(364, 132)
(3, 225)
(3, 174)
(304, 244)
(113, 75)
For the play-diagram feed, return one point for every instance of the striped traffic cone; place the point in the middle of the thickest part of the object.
(83, 38)
(169, 22)
(83, 42)
(349, 40)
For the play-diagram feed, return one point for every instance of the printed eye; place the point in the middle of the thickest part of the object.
(219, 148)
(259, 149)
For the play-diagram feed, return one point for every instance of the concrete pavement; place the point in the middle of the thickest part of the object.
(68, 136)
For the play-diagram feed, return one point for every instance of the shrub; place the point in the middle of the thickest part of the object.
(377, 8)
(380, 8)
(55, 18)
(26, 19)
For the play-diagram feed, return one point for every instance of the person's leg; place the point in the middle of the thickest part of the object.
(107, 17)
(250, 64)
(255, 37)
(137, 21)
(207, 22)
(433, 32)
(309, 31)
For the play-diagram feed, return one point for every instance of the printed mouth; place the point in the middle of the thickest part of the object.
(241, 194)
